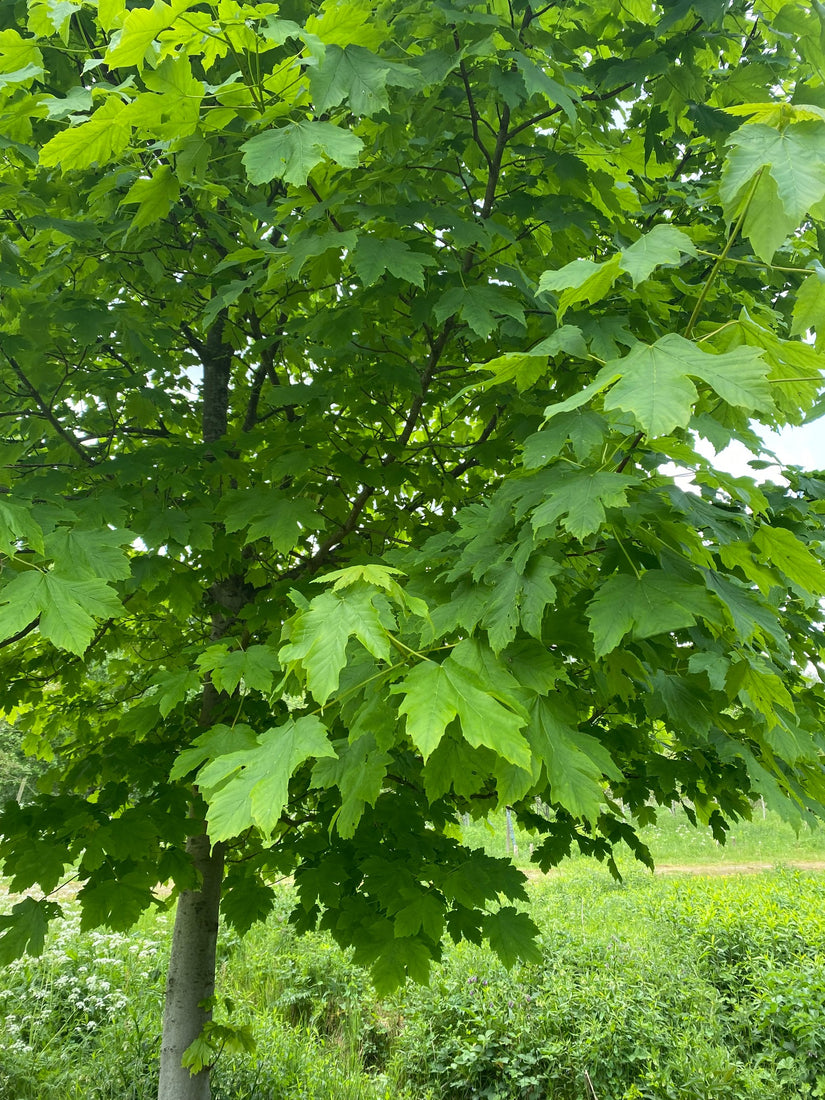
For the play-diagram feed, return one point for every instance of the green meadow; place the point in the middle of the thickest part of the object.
(690, 985)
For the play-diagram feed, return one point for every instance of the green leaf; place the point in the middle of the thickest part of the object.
(173, 687)
(66, 607)
(424, 913)
(380, 576)
(502, 615)
(760, 689)
(767, 225)
(537, 82)
(572, 275)
(478, 306)
(783, 550)
(318, 637)
(580, 281)
(599, 384)
(576, 777)
(268, 513)
(512, 936)
(566, 338)
(250, 787)
(140, 29)
(351, 73)
(20, 76)
(664, 244)
(794, 156)
(292, 151)
(24, 929)
(578, 498)
(17, 525)
(436, 694)
(97, 141)
(809, 309)
(344, 22)
(95, 552)
(110, 13)
(654, 603)
(255, 666)
(655, 386)
(429, 705)
(523, 368)
(402, 958)
(375, 255)
(311, 245)
(177, 102)
(17, 52)
(218, 741)
(358, 772)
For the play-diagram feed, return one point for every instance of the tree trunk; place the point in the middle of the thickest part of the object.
(191, 978)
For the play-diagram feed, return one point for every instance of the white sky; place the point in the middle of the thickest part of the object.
(803, 446)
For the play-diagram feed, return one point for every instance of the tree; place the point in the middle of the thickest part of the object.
(358, 364)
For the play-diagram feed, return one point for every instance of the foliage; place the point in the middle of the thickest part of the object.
(359, 368)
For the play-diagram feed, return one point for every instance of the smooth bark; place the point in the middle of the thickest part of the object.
(191, 977)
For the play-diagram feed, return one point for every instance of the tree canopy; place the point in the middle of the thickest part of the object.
(359, 368)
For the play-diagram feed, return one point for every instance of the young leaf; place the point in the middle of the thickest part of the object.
(97, 141)
(436, 694)
(255, 666)
(154, 196)
(140, 28)
(318, 637)
(783, 550)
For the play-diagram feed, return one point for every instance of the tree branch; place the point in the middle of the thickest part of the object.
(64, 434)
(590, 97)
(474, 117)
(20, 633)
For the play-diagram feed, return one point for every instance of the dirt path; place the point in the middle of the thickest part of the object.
(749, 868)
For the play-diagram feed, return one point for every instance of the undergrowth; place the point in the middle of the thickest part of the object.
(658, 988)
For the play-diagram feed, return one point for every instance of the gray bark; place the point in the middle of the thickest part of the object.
(191, 977)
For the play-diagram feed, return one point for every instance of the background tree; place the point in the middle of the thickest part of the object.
(432, 305)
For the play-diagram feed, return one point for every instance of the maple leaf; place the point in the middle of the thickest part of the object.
(291, 152)
(249, 787)
(352, 73)
(375, 255)
(664, 244)
(436, 694)
(653, 603)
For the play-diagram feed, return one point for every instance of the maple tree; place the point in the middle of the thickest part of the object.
(359, 364)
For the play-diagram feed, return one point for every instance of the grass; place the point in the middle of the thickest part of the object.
(681, 987)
